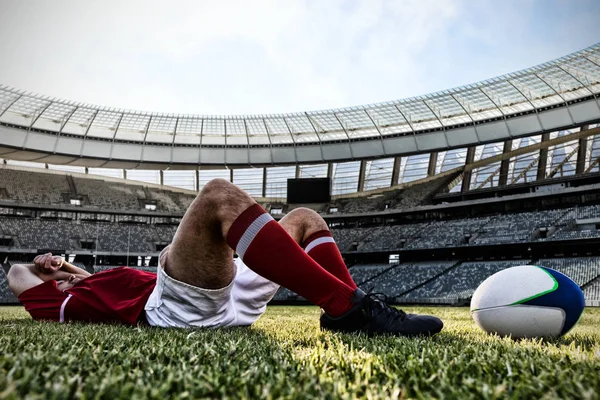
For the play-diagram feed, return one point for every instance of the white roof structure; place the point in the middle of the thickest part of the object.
(558, 94)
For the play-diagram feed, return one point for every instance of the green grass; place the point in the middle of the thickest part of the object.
(284, 355)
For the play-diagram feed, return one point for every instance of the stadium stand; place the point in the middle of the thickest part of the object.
(405, 277)
(365, 272)
(41, 234)
(6, 296)
(349, 239)
(448, 233)
(100, 268)
(582, 270)
(592, 291)
(33, 187)
(461, 281)
(517, 227)
(392, 237)
(109, 195)
(133, 238)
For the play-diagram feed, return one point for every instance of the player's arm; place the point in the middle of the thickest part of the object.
(22, 277)
(47, 263)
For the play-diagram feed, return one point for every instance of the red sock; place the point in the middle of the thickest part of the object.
(267, 249)
(322, 248)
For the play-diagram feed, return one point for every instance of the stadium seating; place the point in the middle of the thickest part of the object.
(6, 296)
(392, 237)
(582, 270)
(41, 233)
(460, 282)
(396, 281)
(349, 239)
(588, 212)
(448, 233)
(33, 187)
(592, 291)
(365, 272)
(110, 195)
(133, 238)
(100, 268)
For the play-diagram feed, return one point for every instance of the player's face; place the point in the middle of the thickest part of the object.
(68, 284)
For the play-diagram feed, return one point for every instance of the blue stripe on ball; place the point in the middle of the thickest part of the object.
(568, 296)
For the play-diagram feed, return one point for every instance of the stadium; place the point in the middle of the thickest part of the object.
(426, 198)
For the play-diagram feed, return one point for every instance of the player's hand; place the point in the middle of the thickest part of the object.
(47, 263)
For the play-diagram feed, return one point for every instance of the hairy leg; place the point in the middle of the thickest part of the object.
(311, 232)
(302, 222)
(199, 254)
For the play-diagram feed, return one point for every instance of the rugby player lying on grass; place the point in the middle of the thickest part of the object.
(199, 284)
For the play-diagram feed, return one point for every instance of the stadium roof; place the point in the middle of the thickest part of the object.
(556, 94)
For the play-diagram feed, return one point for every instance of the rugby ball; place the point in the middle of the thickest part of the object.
(527, 302)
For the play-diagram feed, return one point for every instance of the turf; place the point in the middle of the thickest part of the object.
(284, 355)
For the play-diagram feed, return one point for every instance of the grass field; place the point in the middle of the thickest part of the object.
(285, 355)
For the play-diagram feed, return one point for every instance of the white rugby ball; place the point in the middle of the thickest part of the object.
(527, 301)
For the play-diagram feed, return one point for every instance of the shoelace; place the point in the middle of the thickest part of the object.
(380, 300)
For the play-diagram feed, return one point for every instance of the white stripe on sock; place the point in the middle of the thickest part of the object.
(316, 242)
(251, 233)
(62, 309)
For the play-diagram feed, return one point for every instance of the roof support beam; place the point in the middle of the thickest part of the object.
(504, 164)
(264, 183)
(587, 86)
(470, 117)
(529, 101)
(361, 176)
(466, 182)
(439, 120)
(378, 131)
(411, 127)
(432, 163)
(543, 157)
(200, 141)
(347, 135)
(10, 105)
(498, 108)
(581, 152)
(559, 95)
(291, 136)
(396, 171)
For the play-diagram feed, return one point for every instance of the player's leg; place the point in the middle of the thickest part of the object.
(223, 217)
(199, 254)
(312, 233)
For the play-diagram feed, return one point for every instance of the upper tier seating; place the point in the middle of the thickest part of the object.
(33, 187)
(41, 233)
(110, 195)
(580, 269)
(518, 227)
(406, 276)
(392, 237)
(365, 272)
(123, 238)
(100, 268)
(6, 296)
(587, 212)
(447, 233)
(592, 292)
(461, 282)
(348, 239)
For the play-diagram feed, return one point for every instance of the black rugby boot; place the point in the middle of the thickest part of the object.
(371, 315)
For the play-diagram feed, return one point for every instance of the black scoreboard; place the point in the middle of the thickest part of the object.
(313, 190)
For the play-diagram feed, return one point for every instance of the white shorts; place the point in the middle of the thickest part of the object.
(175, 304)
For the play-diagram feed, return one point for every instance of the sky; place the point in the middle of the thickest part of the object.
(275, 56)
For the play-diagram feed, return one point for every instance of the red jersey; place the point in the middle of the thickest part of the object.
(115, 295)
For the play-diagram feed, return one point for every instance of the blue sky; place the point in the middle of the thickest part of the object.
(246, 57)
